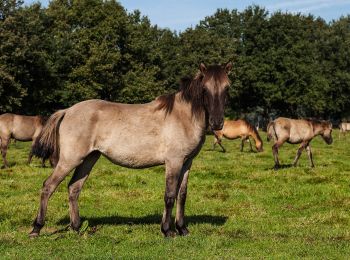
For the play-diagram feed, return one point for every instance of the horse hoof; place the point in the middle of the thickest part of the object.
(75, 228)
(183, 231)
(33, 235)
(169, 233)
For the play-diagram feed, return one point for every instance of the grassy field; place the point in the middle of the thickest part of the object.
(237, 207)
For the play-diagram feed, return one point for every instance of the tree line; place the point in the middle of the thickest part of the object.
(284, 64)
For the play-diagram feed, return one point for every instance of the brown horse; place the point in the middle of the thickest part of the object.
(295, 131)
(21, 128)
(170, 130)
(240, 128)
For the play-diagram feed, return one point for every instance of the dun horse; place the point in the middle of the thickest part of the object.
(238, 129)
(170, 130)
(21, 128)
(297, 132)
(343, 128)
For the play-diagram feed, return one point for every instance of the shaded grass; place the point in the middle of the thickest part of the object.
(237, 207)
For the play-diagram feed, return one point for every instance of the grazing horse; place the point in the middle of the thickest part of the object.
(344, 127)
(240, 128)
(21, 128)
(169, 130)
(295, 131)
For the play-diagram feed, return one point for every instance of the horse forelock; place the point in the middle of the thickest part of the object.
(218, 73)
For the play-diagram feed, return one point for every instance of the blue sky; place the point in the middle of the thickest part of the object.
(181, 14)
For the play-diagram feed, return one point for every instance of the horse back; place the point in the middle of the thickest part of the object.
(293, 130)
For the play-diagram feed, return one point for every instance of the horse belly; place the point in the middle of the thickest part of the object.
(23, 134)
(23, 130)
(134, 153)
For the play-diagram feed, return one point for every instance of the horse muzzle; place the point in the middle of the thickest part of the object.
(329, 140)
(216, 125)
(260, 149)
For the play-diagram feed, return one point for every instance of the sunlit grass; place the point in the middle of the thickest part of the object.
(237, 206)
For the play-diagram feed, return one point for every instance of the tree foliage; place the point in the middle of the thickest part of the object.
(284, 64)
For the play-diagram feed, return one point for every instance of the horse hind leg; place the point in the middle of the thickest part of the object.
(75, 185)
(4, 146)
(60, 172)
(275, 155)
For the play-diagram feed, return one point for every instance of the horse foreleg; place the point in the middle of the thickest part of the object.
(215, 142)
(222, 147)
(30, 156)
(75, 185)
(172, 176)
(242, 145)
(300, 150)
(250, 144)
(49, 186)
(4, 146)
(181, 199)
(309, 153)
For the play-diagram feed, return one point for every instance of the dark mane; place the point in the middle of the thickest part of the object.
(166, 102)
(323, 123)
(191, 91)
(43, 119)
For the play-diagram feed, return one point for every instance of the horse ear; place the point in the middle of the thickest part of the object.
(202, 68)
(228, 67)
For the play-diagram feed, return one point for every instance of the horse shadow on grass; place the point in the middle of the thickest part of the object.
(281, 166)
(147, 220)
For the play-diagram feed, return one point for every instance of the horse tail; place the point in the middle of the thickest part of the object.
(47, 143)
(271, 131)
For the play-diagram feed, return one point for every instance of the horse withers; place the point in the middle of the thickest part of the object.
(297, 131)
(169, 130)
(21, 128)
(234, 129)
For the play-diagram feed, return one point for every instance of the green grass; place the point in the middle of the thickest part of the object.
(237, 207)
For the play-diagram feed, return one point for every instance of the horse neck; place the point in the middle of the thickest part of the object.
(317, 128)
(255, 136)
(198, 119)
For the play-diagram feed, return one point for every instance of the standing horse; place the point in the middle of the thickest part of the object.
(343, 128)
(170, 130)
(295, 131)
(240, 128)
(21, 128)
